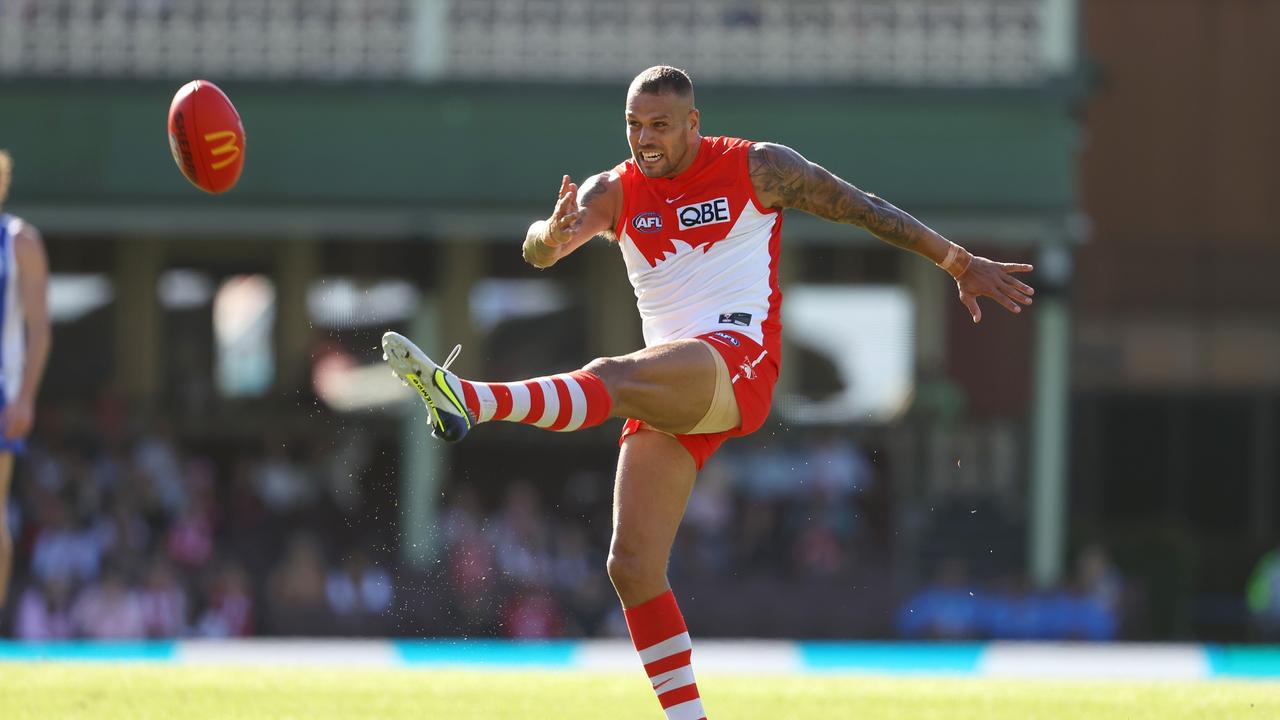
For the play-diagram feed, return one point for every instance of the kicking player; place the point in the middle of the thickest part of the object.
(24, 347)
(698, 222)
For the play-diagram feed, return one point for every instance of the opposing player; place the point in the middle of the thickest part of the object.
(24, 346)
(698, 222)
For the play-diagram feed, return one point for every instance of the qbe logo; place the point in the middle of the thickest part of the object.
(647, 222)
(708, 212)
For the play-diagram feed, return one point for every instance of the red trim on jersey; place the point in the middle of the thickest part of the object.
(771, 326)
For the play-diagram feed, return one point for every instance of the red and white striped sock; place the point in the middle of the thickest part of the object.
(660, 636)
(563, 403)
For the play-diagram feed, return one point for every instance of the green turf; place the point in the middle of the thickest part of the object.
(48, 691)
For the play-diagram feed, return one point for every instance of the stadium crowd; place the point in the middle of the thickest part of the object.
(134, 534)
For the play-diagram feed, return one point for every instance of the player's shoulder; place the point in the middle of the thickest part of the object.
(607, 182)
(26, 237)
(21, 230)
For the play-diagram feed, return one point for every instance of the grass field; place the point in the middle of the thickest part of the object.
(50, 691)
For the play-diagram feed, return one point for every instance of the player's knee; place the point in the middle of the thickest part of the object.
(628, 570)
(614, 372)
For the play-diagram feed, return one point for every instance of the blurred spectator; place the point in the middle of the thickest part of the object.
(532, 613)
(164, 601)
(63, 550)
(296, 589)
(522, 535)
(156, 457)
(190, 538)
(471, 561)
(578, 580)
(945, 610)
(281, 483)
(44, 611)
(359, 593)
(109, 610)
(702, 546)
(230, 609)
(954, 607)
(1102, 594)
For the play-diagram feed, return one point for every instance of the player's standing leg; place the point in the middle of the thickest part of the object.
(655, 476)
(6, 542)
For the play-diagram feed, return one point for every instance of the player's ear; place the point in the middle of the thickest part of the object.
(695, 120)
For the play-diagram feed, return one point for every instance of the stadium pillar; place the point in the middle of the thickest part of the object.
(929, 288)
(463, 264)
(296, 262)
(422, 457)
(1050, 415)
(137, 371)
(439, 321)
(428, 55)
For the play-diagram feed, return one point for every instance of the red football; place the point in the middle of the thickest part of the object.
(206, 137)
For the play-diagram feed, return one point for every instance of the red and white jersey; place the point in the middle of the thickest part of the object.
(701, 251)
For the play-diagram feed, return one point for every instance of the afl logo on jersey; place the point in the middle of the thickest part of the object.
(709, 212)
(647, 222)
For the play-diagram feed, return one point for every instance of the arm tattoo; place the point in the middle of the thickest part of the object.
(785, 179)
(594, 187)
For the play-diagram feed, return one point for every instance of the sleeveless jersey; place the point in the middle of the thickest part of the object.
(12, 329)
(701, 251)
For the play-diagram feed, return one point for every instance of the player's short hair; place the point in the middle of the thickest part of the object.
(6, 174)
(663, 79)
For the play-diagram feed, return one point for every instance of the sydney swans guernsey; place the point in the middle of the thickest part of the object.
(701, 251)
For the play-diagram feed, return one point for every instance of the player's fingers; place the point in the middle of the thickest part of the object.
(1005, 301)
(569, 220)
(1017, 267)
(564, 185)
(1020, 286)
(564, 205)
(971, 303)
(1012, 290)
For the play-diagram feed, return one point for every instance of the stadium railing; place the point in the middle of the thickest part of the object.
(902, 43)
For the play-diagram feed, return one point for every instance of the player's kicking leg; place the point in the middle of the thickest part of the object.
(669, 387)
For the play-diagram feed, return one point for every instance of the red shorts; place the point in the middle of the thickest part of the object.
(753, 372)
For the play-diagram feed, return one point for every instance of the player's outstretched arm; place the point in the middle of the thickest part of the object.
(783, 178)
(578, 217)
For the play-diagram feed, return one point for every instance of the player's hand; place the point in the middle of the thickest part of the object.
(16, 419)
(986, 278)
(567, 218)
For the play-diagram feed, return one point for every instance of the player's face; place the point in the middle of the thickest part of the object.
(662, 130)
